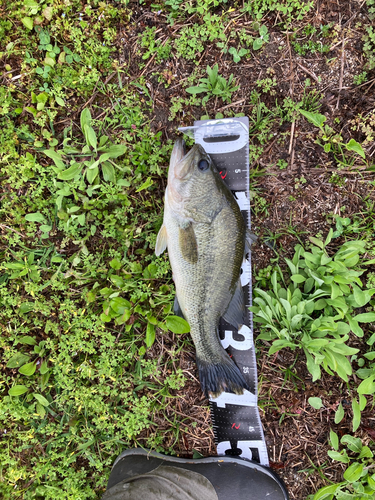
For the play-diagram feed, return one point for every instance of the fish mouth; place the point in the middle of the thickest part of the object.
(185, 167)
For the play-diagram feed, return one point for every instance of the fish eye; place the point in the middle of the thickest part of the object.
(203, 164)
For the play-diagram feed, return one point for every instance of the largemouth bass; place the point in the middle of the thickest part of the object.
(206, 237)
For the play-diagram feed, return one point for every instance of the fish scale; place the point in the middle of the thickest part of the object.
(194, 228)
(236, 422)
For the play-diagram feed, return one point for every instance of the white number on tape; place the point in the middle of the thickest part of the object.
(240, 345)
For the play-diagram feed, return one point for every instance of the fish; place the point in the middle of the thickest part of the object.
(206, 237)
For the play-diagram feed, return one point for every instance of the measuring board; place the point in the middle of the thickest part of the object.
(236, 422)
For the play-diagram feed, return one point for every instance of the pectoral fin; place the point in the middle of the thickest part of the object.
(236, 312)
(188, 244)
(161, 241)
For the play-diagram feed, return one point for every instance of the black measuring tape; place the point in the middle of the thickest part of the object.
(235, 418)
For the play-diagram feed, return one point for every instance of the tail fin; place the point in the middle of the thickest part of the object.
(216, 378)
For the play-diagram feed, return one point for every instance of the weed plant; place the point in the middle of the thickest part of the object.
(82, 295)
(332, 141)
(214, 86)
(315, 311)
(358, 478)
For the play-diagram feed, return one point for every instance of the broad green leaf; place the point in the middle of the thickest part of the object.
(356, 414)
(49, 61)
(313, 368)
(314, 118)
(116, 150)
(316, 344)
(315, 259)
(41, 399)
(280, 344)
(17, 390)
(196, 90)
(360, 296)
(343, 349)
(56, 157)
(85, 115)
(27, 340)
(316, 403)
(35, 217)
(118, 305)
(108, 172)
(365, 317)
(342, 329)
(339, 415)
(91, 136)
(91, 174)
(28, 369)
(60, 101)
(334, 439)
(353, 472)
(365, 453)
(28, 22)
(26, 307)
(354, 326)
(339, 457)
(257, 44)
(355, 146)
(120, 320)
(150, 271)
(353, 443)
(40, 410)
(326, 493)
(177, 325)
(17, 360)
(150, 334)
(298, 278)
(44, 367)
(117, 281)
(105, 318)
(309, 283)
(367, 386)
(320, 304)
(14, 265)
(115, 264)
(42, 98)
(328, 240)
(71, 172)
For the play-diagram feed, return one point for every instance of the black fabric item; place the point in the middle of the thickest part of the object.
(230, 477)
(166, 482)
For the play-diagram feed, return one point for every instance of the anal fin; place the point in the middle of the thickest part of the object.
(250, 238)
